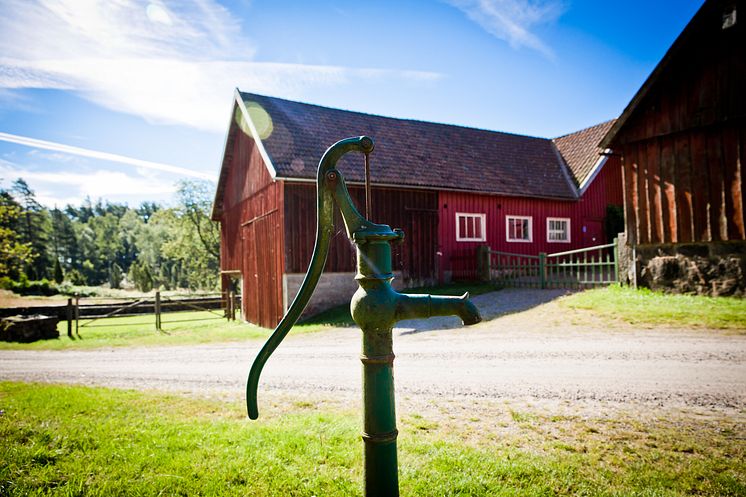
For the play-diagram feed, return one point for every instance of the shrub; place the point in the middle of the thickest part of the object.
(29, 287)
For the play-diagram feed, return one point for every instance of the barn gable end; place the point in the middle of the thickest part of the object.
(682, 139)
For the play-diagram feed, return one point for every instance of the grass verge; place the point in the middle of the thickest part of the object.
(62, 440)
(644, 307)
(179, 328)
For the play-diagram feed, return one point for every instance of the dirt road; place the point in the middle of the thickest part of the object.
(531, 355)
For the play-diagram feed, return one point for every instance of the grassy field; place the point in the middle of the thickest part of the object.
(76, 441)
(179, 328)
(646, 308)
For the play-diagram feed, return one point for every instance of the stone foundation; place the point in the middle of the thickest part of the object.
(333, 289)
(715, 268)
(28, 328)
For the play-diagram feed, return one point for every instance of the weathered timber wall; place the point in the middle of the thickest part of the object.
(252, 243)
(413, 211)
(684, 144)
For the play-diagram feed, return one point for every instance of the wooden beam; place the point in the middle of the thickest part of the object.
(683, 181)
(670, 229)
(718, 224)
(700, 188)
(642, 195)
(653, 160)
(733, 184)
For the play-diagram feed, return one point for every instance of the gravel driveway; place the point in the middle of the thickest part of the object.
(534, 353)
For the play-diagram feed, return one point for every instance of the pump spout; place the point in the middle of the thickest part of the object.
(425, 306)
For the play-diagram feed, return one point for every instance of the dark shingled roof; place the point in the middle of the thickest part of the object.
(412, 153)
(581, 150)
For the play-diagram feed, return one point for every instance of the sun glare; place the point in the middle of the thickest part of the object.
(158, 14)
(261, 119)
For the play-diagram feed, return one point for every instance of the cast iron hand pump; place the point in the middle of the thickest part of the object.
(375, 306)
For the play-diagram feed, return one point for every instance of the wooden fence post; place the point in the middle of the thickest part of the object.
(69, 316)
(232, 305)
(236, 308)
(157, 308)
(483, 262)
(617, 278)
(77, 313)
(542, 270)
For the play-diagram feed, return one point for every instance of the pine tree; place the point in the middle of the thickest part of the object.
(115, 276)
(33, 230)
(58, 275)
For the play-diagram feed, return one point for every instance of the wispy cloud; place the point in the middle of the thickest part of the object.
(513, 20)
(143, 58)
(71, 187)
(95, 154)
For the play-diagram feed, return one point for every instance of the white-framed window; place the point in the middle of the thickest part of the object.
(519, 228)
(558, 230)
(471, 227)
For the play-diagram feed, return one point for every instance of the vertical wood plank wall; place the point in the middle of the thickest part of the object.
(459, 258)
(413, 211)
(684, 144)
(252, 235)
(700, 173)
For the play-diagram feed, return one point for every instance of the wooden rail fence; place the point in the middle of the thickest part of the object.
(222, 306)
(581, 268)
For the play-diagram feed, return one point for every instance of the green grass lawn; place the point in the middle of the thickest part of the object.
(179, 328)
(648, 308)
(77, 441)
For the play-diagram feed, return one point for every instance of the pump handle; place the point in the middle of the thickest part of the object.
(324, 229)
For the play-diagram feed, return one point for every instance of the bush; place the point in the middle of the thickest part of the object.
(29, 287)
(75, 277)
(115, 276)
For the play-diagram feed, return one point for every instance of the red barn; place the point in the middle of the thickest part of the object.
(450, 188)
(682, 139)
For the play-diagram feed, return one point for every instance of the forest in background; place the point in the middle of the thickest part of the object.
(46, 251)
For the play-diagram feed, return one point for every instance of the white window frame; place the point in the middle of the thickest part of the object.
(530, 220)
(482, 224)
(565, 219)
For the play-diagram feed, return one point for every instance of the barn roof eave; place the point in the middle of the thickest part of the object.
(255, 135)
(217, 205)
(565, 169)
(594, 172)
(312, 181)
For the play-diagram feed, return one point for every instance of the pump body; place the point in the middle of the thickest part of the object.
(375, 307)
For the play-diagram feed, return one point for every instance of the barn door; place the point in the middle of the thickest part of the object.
(250, 294)
(421, 247)
(262, 266)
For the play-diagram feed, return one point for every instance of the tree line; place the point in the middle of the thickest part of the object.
(150, 246)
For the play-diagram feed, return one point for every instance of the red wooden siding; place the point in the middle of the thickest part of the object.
(683, 142)
(697, 187)
(415, 211)
(459, 258)
(251, 232)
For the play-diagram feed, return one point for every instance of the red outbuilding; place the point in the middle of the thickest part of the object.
(450, 188)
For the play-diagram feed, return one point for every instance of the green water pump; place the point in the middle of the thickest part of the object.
(375, 307)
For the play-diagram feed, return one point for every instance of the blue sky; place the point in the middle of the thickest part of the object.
(120, 100)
